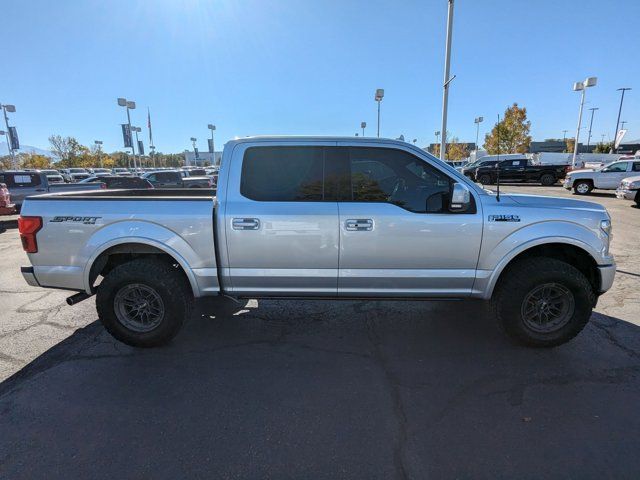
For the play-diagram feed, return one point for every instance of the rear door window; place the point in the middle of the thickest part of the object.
(283, 174)
(24, 180)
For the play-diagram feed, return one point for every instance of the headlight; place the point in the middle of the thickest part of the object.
(633, 185)
(605, 226)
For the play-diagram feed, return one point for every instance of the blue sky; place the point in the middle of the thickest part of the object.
(311, 66)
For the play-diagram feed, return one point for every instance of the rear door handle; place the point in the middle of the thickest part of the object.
(359, 224)
(245, 224)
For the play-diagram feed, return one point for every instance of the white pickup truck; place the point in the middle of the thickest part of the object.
(583, 181)
(302, 217)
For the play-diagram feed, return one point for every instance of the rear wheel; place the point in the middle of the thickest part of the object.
(485, 179)
(144, 303)
(637, 199)
(582, 187)
(547, 179)
(543, 302)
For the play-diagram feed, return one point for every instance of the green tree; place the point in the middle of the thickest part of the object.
(570, 143)
(511, 134)
(603, 147)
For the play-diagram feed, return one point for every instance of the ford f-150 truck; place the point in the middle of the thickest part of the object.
(303, 217)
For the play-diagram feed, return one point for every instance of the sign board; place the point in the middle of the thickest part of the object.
(619, 137)
(13, 138)
(140, 147)
(126, 135)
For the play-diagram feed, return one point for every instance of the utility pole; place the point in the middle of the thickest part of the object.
(477, 121)
(447, 80)
(623, 89)
(363, 125)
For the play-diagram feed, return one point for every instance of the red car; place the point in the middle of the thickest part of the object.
(6, 207)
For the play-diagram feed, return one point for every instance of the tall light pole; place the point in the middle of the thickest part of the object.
(447, 80)
(581, 87)
(10, 109)
(622, 124)
(623, 89)
(591, 126)
(195, 150)
(437, 134)
(564, 136)
(478, 121)
(213, 149)
(98, 144)
(415, 140)
(363, 125)
(379, 96)
(129, 105)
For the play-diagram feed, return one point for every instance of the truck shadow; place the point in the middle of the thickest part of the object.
(328, 389)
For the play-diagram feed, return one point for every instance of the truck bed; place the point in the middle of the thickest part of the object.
(79, 226)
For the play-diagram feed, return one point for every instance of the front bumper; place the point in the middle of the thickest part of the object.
(29, 276)
(567, 183)
(607, 274)
(626, 193)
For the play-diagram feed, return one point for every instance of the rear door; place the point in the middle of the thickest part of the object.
(611, 176)
(397, 234)
(281, 221)
(514, 170)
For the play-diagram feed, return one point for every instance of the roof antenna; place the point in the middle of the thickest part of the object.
(498, 162)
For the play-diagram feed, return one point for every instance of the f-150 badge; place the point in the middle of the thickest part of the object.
(504, 218)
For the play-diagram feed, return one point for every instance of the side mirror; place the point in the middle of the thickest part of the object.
(460, 197)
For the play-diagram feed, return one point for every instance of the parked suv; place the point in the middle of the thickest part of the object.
(585, 180)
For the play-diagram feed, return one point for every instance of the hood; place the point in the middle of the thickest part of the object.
(539, 201)
(581, 170)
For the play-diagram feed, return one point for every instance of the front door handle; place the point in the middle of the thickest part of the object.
(245, 224)
(359, 225)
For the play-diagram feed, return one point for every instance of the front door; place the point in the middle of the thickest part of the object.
(397, 234)
(281, 223)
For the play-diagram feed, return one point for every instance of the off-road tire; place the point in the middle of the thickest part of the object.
(159, 275)
(485, 179)
(547, 179)
(589, 187)
(523, 277)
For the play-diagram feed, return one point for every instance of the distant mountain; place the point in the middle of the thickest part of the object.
(4, 150)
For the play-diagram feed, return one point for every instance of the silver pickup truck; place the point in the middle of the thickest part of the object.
(322, 217)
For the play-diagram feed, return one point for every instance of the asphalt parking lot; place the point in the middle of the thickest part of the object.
(281, 389)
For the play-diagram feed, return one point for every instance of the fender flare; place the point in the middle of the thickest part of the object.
(163, 246)
(493, 278)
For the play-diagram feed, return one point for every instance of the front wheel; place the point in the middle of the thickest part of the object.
(543, 302)
(144, 302)
(582, 187)
(637, 199)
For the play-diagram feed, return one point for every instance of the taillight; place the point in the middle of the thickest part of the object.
(28, 227)
(103, 186)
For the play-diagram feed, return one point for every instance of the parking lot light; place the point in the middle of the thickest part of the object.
(581, 87)
(378, 98)
(129, 105)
